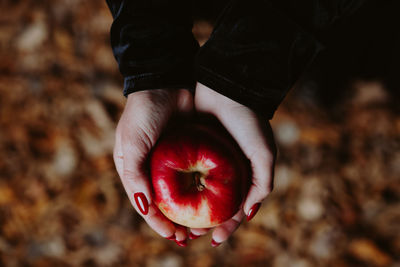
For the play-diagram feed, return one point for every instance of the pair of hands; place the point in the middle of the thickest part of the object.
(147, 113)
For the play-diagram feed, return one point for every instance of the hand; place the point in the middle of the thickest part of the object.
(254, 136)
(145, 115)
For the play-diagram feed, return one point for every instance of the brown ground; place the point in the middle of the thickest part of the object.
(337, 195)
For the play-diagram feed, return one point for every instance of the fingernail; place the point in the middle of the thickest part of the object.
(182, 243)
(193, 236)
(172, 237)
(253, 210)
(214, 243)
(141, 202)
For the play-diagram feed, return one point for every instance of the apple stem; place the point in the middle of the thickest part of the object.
(198, 181)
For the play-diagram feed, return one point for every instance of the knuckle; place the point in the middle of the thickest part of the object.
(237, 220)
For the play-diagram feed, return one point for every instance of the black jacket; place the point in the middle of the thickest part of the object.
(257, 51)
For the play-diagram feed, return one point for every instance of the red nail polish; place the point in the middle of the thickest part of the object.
(182, 243)
(141, 202)
(172, 237)
(193, 236)
(253, 210)
(214, 243)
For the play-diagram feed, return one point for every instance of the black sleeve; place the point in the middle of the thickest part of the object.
(259, 48)
(153, 43)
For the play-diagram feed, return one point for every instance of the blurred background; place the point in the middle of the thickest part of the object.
(337, 188)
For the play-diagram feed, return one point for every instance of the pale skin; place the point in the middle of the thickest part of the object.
(147, 113)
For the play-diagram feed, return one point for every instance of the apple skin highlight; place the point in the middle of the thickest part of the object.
(199, 175)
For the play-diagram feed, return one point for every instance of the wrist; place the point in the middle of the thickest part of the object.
(210, 99)
(154, 95)
(161, 100)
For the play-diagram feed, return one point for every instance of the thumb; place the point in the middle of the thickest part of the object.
(136, 183)
(263, 164)
(134, 177)
(255, 138)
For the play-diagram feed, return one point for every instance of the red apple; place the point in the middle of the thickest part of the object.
(199, 175)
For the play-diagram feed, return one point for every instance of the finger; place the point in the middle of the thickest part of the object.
(135, 147)
(226, 229)
(181, 235)
(263, 163)
(159, 223)
(154, 218)
(255, 138)
(137, 186)
(197, 232)
(262, 183)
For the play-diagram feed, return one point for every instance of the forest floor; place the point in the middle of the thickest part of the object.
(336, 200)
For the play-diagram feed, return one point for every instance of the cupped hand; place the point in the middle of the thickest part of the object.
(145, 115)
(255, 138)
